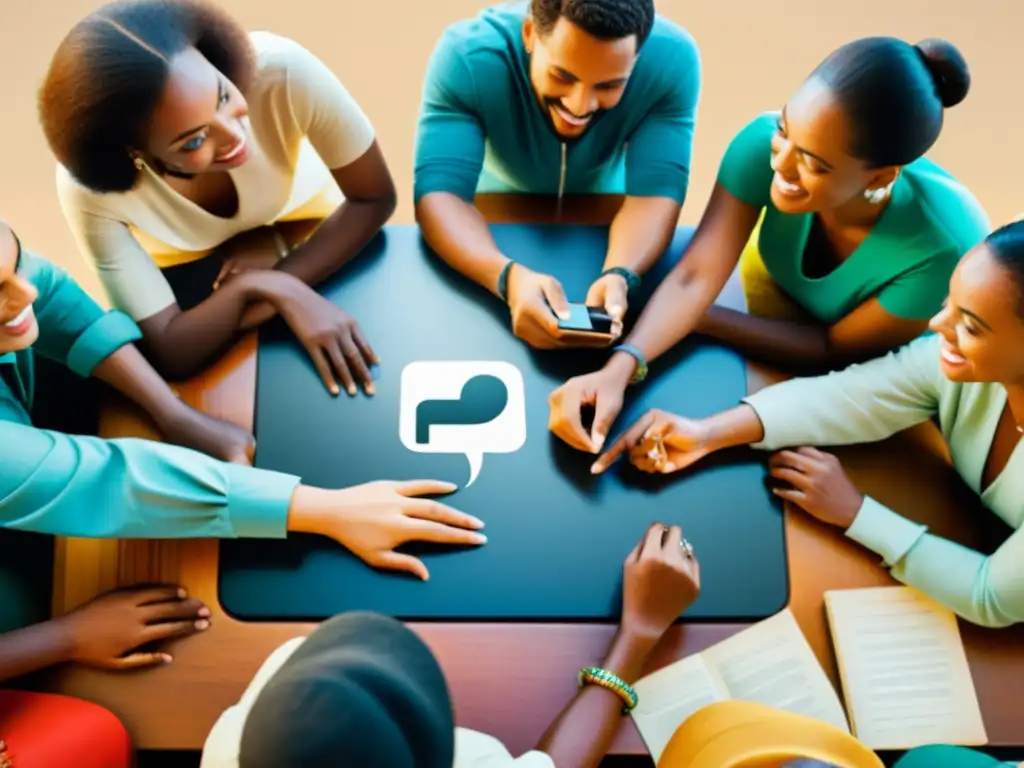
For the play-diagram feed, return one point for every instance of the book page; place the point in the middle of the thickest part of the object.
(904, 670)
(667, 697)
(772, 663)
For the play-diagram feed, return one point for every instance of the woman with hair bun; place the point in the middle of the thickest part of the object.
(846, 234)
(176, 130)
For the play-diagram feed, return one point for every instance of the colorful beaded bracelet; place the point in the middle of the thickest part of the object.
(614, 683)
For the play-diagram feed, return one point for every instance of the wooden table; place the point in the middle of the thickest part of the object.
(174, 707)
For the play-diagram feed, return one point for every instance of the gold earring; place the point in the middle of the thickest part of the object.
(139, 162)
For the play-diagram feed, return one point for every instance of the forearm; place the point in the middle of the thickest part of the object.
(182, 345)
(982, 589)
(129, 373)
(581, 734)
(768, 340)
(28, 650)
(460, 236)
(339, 239)
(735, 427)
(671, 314)
(640, 233)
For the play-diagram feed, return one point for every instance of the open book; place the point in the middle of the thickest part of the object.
(903, 669)
(770, 663)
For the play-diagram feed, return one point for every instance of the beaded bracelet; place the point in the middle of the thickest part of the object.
(614, 683)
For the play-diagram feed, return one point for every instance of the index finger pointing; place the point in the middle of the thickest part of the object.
(625, 441)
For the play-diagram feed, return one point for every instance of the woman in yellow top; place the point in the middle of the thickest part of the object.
(175, 131)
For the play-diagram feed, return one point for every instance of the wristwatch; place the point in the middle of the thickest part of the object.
(641, 362)
(632, 278)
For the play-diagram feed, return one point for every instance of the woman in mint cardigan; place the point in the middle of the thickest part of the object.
(969, 374)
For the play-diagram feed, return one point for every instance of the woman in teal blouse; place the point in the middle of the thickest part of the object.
(76, 485)
(833, 199)
(969, 375)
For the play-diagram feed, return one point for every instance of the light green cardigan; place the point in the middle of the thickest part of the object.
(874, 400)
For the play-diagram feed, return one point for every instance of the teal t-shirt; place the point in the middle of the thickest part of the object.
(931, 221)
(481, 128)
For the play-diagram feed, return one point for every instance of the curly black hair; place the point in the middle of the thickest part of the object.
(603, 19)
(109, 72)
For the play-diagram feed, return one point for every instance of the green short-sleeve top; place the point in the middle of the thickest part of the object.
(907, 259)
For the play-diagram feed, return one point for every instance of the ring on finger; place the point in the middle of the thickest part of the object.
(687, 548)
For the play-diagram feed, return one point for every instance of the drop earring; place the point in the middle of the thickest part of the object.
(139, 162)
(876, 196)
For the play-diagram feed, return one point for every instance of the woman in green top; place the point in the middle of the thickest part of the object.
(858, 229)
(969, 375)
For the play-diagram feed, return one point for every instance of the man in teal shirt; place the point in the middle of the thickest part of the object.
(84, 486)
(557, 97)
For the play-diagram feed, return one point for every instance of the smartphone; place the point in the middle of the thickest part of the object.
(584, 319)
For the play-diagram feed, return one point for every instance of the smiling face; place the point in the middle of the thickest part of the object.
(575, 75)
(199, 125)
(18, 327)
(813, 170)
(980, 324)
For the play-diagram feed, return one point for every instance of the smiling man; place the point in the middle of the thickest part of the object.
(557, 97)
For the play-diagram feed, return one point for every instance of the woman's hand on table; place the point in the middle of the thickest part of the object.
(330, 335)
(660, 580)
(603, 390)
(373, 519)
(659, 442)
(106, 631)
(223, 440)
(817, 483)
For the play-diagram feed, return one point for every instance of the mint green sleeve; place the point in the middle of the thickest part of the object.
(73, 328)
(745, 171)
(449, 145)
(88, 487)
(918, 293)
(985, 590)
(863, 403)
(660, 149)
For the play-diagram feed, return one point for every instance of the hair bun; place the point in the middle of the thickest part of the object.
(948, 69)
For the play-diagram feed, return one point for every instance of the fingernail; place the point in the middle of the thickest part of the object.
(670, 467)
(477, 522)
(203, 611)
(165, 658)
(351, 391)
(481, 539)
(370, 389)
(598, 440)
(182, 593)
(202, 624)
(335, 391)
(596, 468)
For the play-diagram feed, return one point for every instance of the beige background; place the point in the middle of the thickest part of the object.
(755, 53)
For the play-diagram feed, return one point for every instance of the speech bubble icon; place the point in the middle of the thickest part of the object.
(462, 406)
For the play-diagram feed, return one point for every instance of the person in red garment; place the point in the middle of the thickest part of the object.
(45, 730)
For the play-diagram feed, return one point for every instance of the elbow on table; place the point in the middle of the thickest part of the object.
(987, 611)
